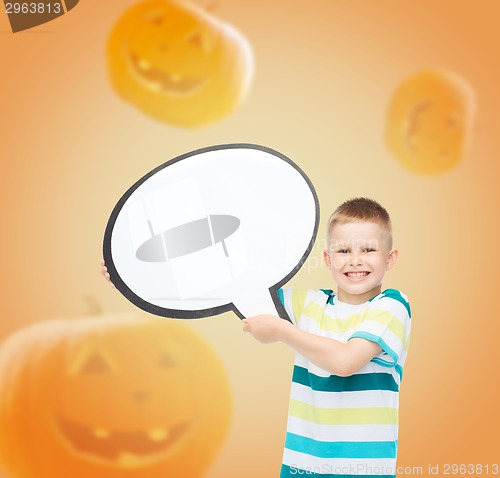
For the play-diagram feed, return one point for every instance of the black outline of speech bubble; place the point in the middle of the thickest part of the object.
(201, 313)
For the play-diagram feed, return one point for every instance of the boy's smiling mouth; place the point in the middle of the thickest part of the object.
(356, 275)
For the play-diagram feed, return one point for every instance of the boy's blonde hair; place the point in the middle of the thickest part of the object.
(363, 210)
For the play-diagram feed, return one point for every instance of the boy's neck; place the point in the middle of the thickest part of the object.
(356, 299)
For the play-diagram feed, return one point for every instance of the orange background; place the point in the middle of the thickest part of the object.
(325, 72)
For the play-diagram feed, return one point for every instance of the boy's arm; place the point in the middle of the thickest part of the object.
(329, 354)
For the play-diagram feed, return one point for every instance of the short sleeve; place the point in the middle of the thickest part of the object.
(293, 301)
(387, 322)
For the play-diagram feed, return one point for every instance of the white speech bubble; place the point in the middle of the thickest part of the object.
(217, 229)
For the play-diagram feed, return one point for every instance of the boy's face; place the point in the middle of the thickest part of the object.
(358, 258)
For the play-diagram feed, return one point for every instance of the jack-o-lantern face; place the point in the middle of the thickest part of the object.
(103, 397)
(178, 63)
(429, 121)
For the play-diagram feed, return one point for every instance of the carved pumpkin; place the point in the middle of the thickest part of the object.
(178, 63)
(111, 397)
(429, 121)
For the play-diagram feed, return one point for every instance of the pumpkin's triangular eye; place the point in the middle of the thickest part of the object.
(452, 121)
(95, 363)
(156, 17)
(167, 361)
(199, 40)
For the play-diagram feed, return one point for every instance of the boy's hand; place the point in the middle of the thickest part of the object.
(265, 328)
(105, 273)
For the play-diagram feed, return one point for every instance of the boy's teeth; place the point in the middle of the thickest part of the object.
(357, 274)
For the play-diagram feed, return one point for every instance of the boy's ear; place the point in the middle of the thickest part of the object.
(326, 257)
(391, 259)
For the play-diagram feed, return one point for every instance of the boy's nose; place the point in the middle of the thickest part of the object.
(356, 260)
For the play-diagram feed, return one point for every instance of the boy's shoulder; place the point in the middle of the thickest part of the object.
(393, 295)
(306, 295)
(328, 295)
(301, 298)
(316, 293)
(387, 298)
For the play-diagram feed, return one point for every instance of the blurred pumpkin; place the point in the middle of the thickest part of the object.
(178, 63)
(429, 121)
(111, 397)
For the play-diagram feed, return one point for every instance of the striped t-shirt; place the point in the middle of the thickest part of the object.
(346, 425)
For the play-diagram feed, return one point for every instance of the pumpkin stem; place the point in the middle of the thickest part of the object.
(93, 307)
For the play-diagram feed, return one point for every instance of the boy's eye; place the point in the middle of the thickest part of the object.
(343, 251)
(368, 249)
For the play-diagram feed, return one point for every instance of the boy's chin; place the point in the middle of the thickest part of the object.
(359, 292)
(359, 287)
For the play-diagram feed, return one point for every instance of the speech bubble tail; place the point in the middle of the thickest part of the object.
(256, 305)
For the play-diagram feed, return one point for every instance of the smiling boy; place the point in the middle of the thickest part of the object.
(351, 347)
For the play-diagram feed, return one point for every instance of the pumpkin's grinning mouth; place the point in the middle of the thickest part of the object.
(164, 82)
(120, 446)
